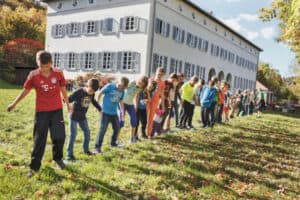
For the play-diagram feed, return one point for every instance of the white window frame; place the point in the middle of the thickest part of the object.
(57, 60)
(162, 27)
(73, 29)
(129, 24)
(130, 62)
(178, 34)
(88, 61)
(58, 30)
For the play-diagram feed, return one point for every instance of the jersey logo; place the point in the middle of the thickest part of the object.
(53, 80)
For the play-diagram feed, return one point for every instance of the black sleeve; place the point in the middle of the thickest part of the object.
(96, 104)
(75, 95)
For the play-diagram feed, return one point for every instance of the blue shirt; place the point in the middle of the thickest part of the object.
(207, 96)
(142, 96)
(112, 97)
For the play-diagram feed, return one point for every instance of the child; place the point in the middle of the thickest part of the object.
(141, 114)
(221, 97)
(207, 97)
(131, 102)
(81, 98)
(187, 95)
(113, 94)
(158, 117)
(49, 83)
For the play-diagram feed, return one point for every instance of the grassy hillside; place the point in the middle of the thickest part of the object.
(248, 158)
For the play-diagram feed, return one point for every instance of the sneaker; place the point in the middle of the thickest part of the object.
(132, 140)
(144, 136)
(71, 158)
(60, 164)
(88, 153)
(97, 151)
(30, 173)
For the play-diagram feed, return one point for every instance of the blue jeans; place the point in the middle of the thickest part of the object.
(105, 119)
(132, 115)
(73, 132)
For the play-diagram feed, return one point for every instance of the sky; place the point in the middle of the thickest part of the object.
(242, 16)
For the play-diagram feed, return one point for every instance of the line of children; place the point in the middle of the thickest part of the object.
(147, 101)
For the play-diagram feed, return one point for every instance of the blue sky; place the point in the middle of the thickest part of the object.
(242, 16)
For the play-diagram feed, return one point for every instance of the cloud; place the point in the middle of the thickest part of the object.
(232, 1)
(248, 17)
(252, 35)
(268, 32)
(233, 23)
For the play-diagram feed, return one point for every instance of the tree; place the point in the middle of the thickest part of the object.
(287, 12)
(22, 22)
(269, 77)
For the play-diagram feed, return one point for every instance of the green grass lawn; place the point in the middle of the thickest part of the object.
(248, 158)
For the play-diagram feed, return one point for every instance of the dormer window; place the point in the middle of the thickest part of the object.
(59, 5)
(91, 1)
(75, 3)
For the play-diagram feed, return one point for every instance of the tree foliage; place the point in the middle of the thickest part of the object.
(21, 19)
(287, 12)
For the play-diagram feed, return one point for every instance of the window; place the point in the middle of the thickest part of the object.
(59, 5)
(162, 28)
(205, 46)
(198, 71)
(175, 65)
(75, 3)
(178, 34)
(191, 40)
(88, 61)
(187, 70)
(107, 61)
(192, 73)
(91, 27)
(71, 61)
(91, 1)
(215, 50)
(58, 31)
(73, 29)
(130, 61)
(159, 61)
(108, 26)
(57, 60)
(129, 23)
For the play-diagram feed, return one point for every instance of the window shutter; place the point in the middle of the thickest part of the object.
(63, 32)
(155, 62)
(142, 25)
(53, 31)
(122, 24)
(168, 30)
(69, 31)
(157, 26)
(65, 57)
(180, 67)
(100, 61)
(198, 71)
(172, 65)
(182, 36)
(174, 32)
(84, 28)
(136, 58)
(94, 60)
(165, 64)
(77, 61)
(119, 60)
(82, 61)
(114, 61)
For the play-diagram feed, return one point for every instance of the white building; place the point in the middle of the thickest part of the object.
(134, 37)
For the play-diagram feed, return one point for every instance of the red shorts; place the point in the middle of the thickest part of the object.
(225, 108)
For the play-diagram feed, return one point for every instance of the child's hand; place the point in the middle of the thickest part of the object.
(10, 107)
(70, 110)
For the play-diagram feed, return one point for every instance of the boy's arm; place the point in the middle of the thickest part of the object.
(96, 104)
(23, 94)
(65, 98)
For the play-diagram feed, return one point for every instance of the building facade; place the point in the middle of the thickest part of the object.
(134, 37)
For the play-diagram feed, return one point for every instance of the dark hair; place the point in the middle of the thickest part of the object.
(94, 84)
(195, 78)
(124, 81)
(201, 81)
(145, 80)
(44, 57)
(180, 74)
(173, 76)
(160, 69)
(214, 79)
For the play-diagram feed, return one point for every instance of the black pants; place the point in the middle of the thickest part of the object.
(220, 111)
(44, 121)
(141, 116)
(186, 113)
(205, 112)
(190, 117)
(211, 114)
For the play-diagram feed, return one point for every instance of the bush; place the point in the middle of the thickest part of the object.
(7, 72)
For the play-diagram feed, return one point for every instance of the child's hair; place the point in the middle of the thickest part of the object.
(94, 84)
(173, 76)
(160, 69)
(201, 81)
(180, 75)
(195, 79)
(144, 80)
(124, 80)
(44, 57)
(152, 85)
(214, 79)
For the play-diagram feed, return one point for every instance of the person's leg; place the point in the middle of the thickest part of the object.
(175, 110)
(138, 119)
(58, 135)
(220, 111)
(191, 114)
(86, 135)
(115, 126)
(151, 107)
(102, 130)
(203, 119)
(131, 112)
(184, 114)
(143, 114)
(40, 131)
(72, 137)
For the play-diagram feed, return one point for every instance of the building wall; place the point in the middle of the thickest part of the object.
(180, 14)
(136, 42)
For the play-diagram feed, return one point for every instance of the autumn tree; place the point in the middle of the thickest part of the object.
(287, 12)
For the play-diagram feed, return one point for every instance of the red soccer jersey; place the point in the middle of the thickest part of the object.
(47, 89)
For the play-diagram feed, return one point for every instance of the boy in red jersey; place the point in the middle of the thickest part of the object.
(48, 83)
